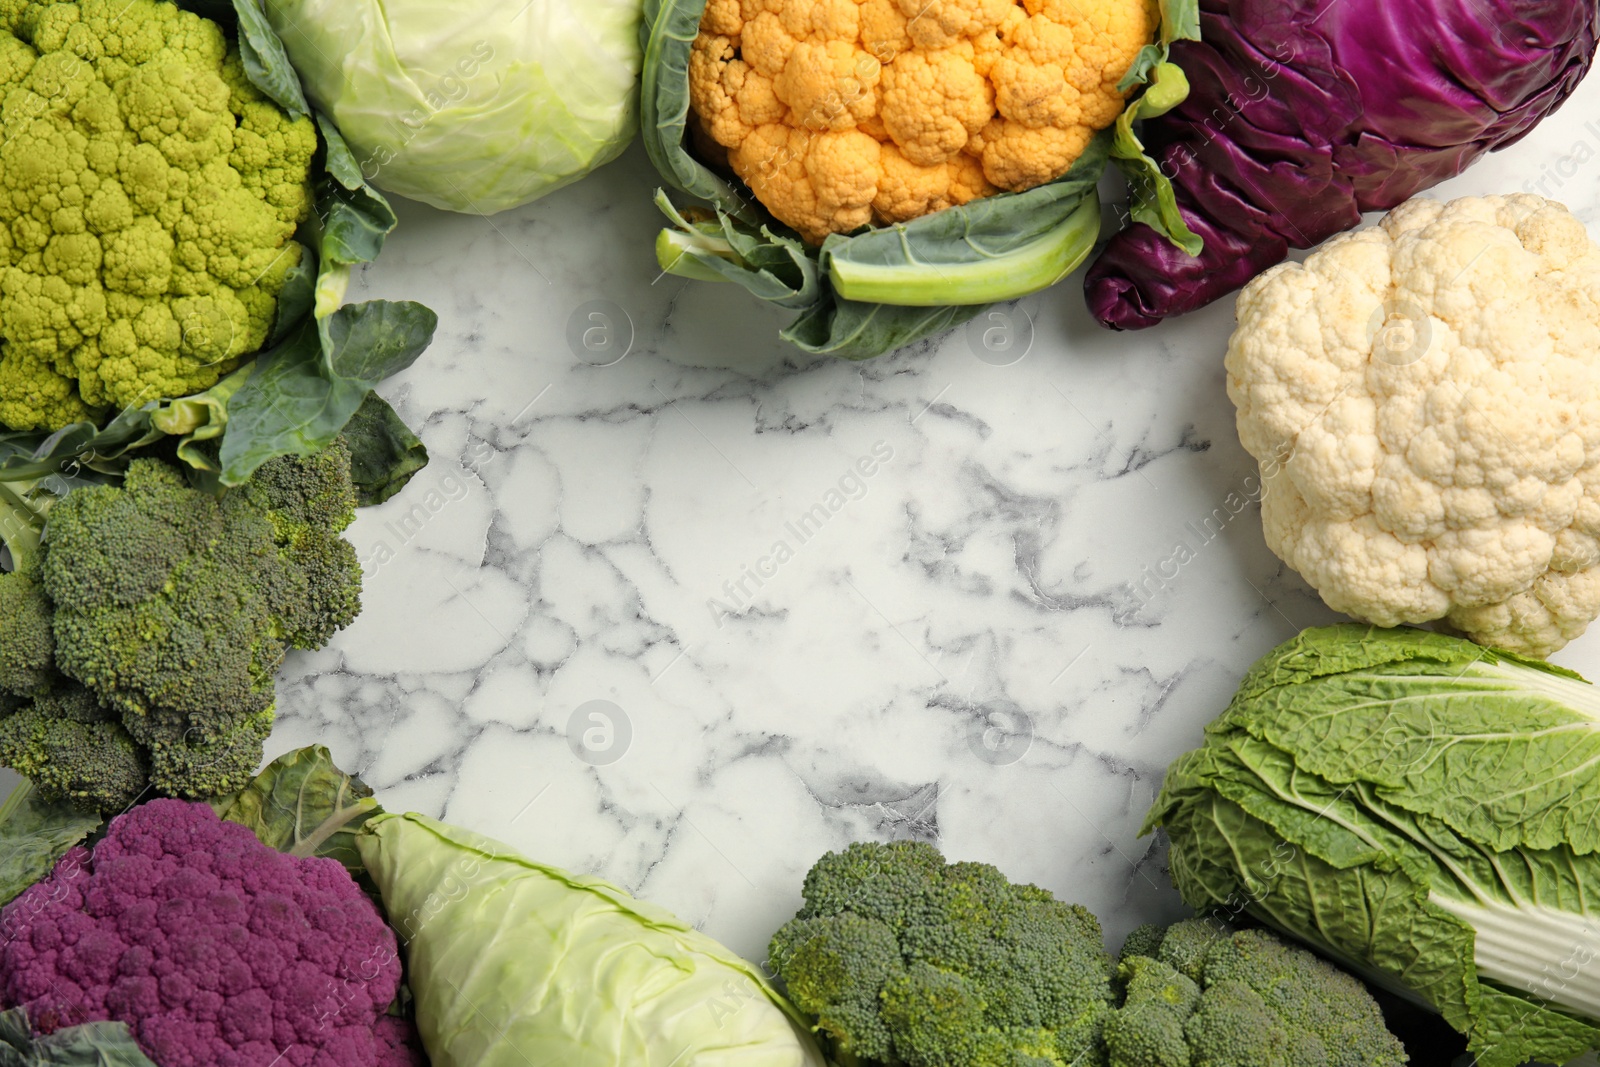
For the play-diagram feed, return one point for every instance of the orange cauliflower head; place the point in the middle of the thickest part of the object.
(844, 113)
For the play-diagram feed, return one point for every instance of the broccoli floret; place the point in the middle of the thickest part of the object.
(169, 610)
(1187, 946)
(74, 749)
(52, 729)
(1206, 996)
(183, 765)
(310, 501)
(1147, 1031)
(1143, 941)
(27, 646)
(837, 966)
(154, 579)
(904, 959)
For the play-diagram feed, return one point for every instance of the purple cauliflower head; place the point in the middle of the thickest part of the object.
(216, 950)
(1302, 114)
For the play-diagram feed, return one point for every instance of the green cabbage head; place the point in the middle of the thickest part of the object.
(476, 108)
(514, 963)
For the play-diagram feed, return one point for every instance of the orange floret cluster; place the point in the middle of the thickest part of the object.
(844, 113)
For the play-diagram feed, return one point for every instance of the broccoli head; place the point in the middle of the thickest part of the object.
(177, 605)
(151, 579)
(902, 958)
(141, 652)
(1201, 995)
(150, 198)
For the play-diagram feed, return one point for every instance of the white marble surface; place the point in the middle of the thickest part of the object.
(578, 521)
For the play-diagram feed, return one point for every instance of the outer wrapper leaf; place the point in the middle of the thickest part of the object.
(100, 1044)
(265, 62)
(776, 268)
(304, 391)
(850, 330)
(666, 34)
(304, 805)
(1152, 200)
(34, 834)
(384, 453)
(1180, 21)
(721, 247)
(980, 249)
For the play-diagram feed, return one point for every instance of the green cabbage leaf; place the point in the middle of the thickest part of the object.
(1421, 808)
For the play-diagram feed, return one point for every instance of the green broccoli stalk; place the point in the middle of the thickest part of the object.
(1201, 995)
(138, 647)
(904, 959)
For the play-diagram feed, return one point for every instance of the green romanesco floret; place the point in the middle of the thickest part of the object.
(1202, 995)
(141, 652)
(904, 959)
(149, 198)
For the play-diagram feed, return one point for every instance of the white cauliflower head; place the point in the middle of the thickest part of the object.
(1423, 398)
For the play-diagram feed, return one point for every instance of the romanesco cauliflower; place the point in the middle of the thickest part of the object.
(149, 198)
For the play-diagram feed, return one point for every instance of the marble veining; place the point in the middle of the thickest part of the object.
(680, 606)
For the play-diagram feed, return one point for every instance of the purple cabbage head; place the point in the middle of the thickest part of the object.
(1303, 114)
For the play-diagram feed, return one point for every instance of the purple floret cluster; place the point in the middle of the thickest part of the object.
(398, 1044)
(216, 950)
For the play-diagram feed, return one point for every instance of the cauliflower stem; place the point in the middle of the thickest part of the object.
(1038, 264)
